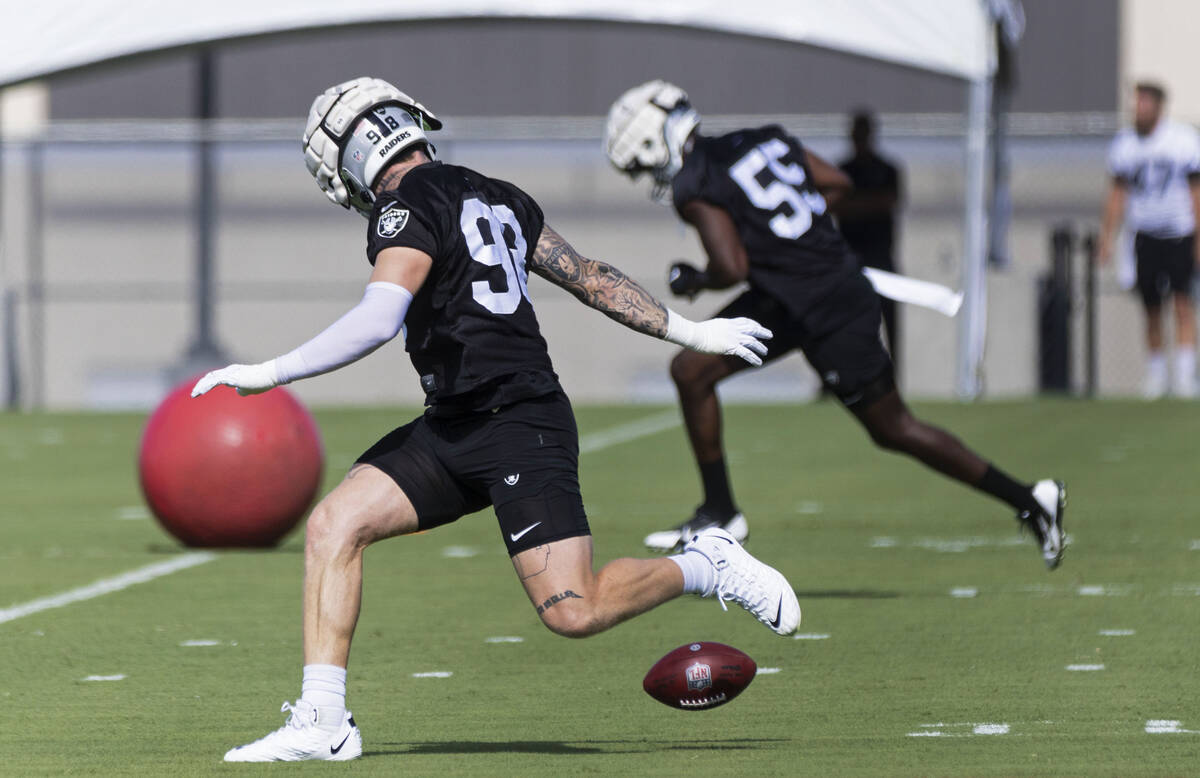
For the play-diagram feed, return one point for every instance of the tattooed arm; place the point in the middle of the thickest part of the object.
(608, 290)
(598, 285)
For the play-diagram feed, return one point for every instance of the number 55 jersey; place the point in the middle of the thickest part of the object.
(759, 177)
(471, 331)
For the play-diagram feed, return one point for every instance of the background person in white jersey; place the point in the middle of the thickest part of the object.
(1155, 169)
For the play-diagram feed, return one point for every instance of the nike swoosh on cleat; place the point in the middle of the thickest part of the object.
(333, 750)
(778, 615)
(521, 534)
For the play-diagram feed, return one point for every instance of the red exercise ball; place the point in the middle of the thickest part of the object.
(221, 470)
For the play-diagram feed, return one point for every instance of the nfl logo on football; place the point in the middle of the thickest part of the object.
(699, 676)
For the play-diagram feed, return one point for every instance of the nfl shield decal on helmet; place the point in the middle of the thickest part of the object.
(699, 676)
(392, 222)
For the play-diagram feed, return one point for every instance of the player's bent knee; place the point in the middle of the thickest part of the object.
(330, 531)
(320, 533)
(890, 436)
(571, 622)
(695, 371)
(682, 371)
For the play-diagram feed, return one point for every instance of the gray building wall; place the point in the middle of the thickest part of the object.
(118, 236)
(490, 67)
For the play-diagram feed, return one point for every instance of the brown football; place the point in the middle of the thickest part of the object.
(699, 676)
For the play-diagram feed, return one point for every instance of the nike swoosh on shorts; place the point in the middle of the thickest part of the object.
(521, 534)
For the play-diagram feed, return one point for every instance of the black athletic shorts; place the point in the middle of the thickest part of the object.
(522, 458)
(839, 337)
(1163, 265)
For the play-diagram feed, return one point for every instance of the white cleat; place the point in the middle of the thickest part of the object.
(1047, 525)
(302, 738)
(668, 540)
(757, 587)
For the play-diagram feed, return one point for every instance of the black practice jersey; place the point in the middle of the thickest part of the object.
(759, 177)
(471, 331)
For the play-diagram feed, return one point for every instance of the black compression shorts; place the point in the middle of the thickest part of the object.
(848, 356)
(522, 458)
(1163, 264)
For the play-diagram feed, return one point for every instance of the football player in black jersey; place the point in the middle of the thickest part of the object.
(758, 199)
(449, 250)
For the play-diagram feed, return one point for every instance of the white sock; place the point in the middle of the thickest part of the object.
(1156, 365)
(699, 576)
(1185, 364)
(325, 689)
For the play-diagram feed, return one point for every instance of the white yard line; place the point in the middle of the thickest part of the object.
(107, 585)
(624, 433)
(1167, 727)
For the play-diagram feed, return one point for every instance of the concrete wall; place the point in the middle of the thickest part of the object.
(118, 248)
(118, 239)
(1158, 41)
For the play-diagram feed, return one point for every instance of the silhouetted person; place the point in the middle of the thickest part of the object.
(867, 216)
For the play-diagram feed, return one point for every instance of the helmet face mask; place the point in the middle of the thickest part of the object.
(646, 131)
(354, 130)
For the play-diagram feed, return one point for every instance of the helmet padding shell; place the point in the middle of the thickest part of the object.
(353, 130)
(646, 130)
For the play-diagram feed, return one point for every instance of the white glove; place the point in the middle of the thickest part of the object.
(739, 337)
(247, 379)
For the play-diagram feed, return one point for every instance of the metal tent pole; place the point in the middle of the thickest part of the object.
(8, 303)
(36, 280)
(972, 331)
(204, 352)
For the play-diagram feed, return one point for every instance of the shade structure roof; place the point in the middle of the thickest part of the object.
(51, 36)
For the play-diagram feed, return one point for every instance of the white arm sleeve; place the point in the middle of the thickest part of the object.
(374, 321)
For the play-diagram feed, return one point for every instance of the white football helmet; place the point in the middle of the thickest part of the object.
(353, 129)
(646, 130)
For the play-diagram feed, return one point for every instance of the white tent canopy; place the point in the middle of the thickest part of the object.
(49, 36)
(953, 37)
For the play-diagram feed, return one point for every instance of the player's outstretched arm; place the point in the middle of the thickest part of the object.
(377, 318)
(608, 290)
(598, 285)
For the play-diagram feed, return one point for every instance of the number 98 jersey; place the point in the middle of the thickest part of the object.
(471, 331)
(758, 176)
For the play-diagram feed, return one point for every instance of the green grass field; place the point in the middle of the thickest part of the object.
(874, 545)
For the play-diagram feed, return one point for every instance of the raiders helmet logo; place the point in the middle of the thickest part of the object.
(391, 222)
